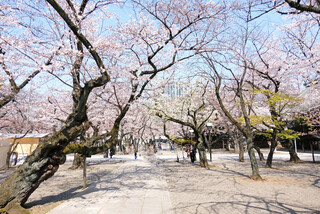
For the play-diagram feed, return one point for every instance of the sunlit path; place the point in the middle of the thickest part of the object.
(136, 187)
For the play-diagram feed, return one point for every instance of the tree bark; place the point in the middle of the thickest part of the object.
(259, 152)
(202, 154)
(236, 145)
(312, 151)
(228, 146)
(241, 151)
(39, 166)
(203, 158)
(254, 165)
(313, 8)
(293, 155)
(271, 152)
(78, 161)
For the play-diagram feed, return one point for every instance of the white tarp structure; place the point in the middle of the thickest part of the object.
(161, 137)
(4, 148)
(310, 98)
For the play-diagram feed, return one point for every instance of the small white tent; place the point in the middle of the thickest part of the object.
(4, 148)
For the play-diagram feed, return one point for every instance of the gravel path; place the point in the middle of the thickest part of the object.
(224, 188)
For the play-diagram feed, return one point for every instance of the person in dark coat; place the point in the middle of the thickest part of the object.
(192, 151)
(111, 152)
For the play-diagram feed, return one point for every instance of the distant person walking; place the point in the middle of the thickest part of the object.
(135, 155)
(111, 152)
(192, 151)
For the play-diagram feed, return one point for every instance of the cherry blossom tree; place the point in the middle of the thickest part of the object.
(272, 78)
(228, 67)
(246, 130)
(297, 62)
(23, 50)
(92, 54)
(190, 109)
(33, 112)
(282, 65)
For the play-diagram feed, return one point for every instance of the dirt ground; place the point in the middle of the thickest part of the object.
(224, 188)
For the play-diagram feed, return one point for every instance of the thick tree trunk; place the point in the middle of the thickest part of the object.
(271, 152)
(46, 158)
(202, 155)
(259, 152)
(312, 151)
(203, 159)
(241, 151)
(78, 161)
(228, 146)
(236, 147)
(293, 155)
(254, 165)
(39, 166)
(9, 153)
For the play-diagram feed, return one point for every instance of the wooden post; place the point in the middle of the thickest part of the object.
(311, 146)
(182, 150)
(84, 172)
(15, 158)
(210, 144)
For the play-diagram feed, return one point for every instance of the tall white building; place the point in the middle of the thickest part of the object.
(175, 89)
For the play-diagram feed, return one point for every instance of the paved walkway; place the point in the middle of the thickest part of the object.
(136, 187)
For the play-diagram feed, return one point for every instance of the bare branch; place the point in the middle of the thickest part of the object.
(304, 7)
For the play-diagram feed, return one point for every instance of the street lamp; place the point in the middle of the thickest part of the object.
(209, 125)
(191, 133)
(209, 129)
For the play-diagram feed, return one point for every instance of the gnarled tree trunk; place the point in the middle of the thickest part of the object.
(46, 158)
(293, 155)
(241, 151)
(78, 161)
(272, 149)
(257, 148)
(39, 166)
(254, 165)
(202, 155)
